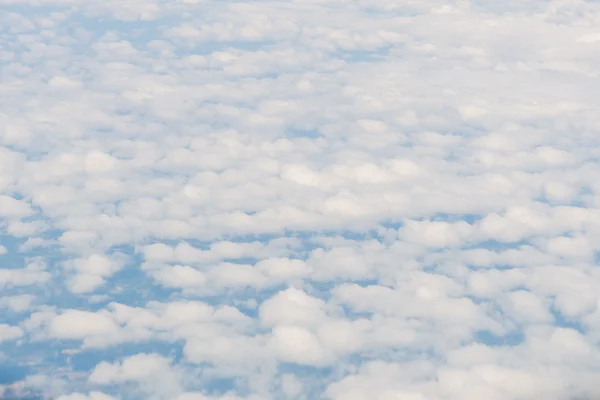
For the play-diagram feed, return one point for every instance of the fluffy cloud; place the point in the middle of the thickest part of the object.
(75, 324)
(323, 199)
(34, 273)
(92, 271)
(8, 332)
(19, 303)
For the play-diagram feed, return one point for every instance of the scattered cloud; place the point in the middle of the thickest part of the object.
(335, 199)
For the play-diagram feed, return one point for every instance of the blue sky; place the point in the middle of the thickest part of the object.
(347, 200)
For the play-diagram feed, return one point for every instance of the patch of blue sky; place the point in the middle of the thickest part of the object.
(348, 312)
(11, 243)
(133, 287)
(242, 260)
(398, 222)
(264, 237)
(302, 371)
(395, 223)
(362, 56)
(16, 258)
(303, 133)
(597, 258)
(473, 267)
(564, 321)
(452, 217)
(187, 47)
(31, 358)
(219, 386)
(496, 245)
(11, 372)
(13, 394)
(510, 338)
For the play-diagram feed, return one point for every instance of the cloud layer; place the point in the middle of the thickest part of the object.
(350, 200)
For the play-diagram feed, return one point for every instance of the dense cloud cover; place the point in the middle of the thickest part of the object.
(303, 199)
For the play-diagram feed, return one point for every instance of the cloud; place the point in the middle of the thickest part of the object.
(151, 372)
(33, 274)
(75, 324)
(91, 271)
(292, 306)
(8, 332)
(135, 368)
(13, 208)
(19, 303)
(298, 345)
(303, 199)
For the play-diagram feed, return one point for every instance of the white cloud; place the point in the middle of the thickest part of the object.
(18, 303)
(8, 332)
(134, 368)
(92, 271)
(33, 274)
(404, 193)
(436, 234)
(180, 276)
(152, 372)
(298, 345)
(75, 324)
(85, 283)
(13, 208)
(526, 307)
(292, 306)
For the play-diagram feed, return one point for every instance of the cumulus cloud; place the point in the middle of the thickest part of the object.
(75, 324)
(34, 273)
(8, 332)
(18, 303)
(319, 199)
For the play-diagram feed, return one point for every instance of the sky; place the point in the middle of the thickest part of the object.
(299, 199)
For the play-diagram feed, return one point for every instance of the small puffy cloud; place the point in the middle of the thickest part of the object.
(85, 283)
(33, 274)
(76, 324)
(436, 234)
(13, 208)
(526, 307)
(292, 306)
(97, 162)
(298, 345)
(152, 372)
(8, 332)
(180, 276)
(134, 368)
(18, 303)
(92, 271)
